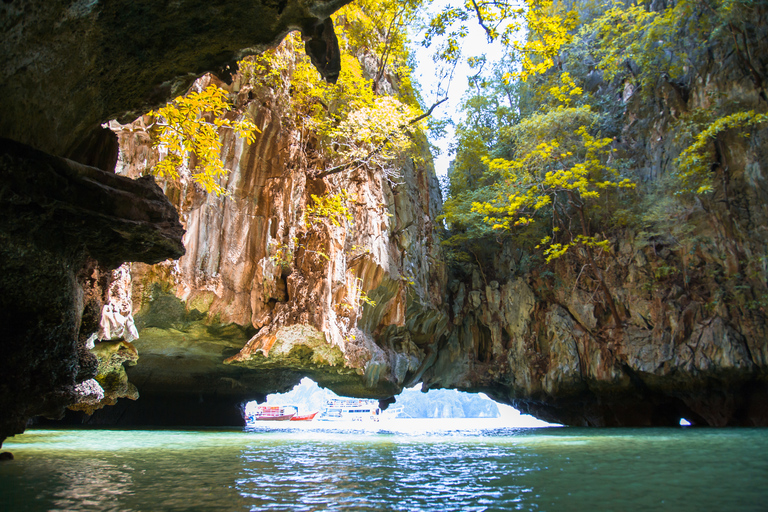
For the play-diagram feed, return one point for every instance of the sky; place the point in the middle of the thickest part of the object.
(426, 75)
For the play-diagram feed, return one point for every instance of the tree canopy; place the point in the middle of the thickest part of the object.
(543, 157)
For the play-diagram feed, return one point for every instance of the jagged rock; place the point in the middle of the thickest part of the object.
(253, 306)
(547, 345)
(117, 313)
(89, 393)
(56, 216)
(111, 381)
(323, 49)
(67, 68)
(684, 350)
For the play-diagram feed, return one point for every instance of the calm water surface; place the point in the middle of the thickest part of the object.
(393, 468)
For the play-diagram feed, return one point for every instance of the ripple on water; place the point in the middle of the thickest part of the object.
(308, 470)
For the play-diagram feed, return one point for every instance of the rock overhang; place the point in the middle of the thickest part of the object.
(68, 66)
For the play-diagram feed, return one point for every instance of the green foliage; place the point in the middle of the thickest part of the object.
(330, 206)
(357, 125)
(554, 163)
(268, 69)
(632, 39)
(664, 271)
(633, 34)
(363, 297)
(282, 254)
(487, 116)
(549, 25)
(558, 167)
(550, 28)
(369, 118)
(633, 43)
(551, 175)
(695, 161)
(188, 130)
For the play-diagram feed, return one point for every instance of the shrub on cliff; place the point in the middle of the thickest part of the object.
(557, 178)
(188, 130)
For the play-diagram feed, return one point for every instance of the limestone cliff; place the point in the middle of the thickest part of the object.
(689, 283)
(264, 296)
(67, 67)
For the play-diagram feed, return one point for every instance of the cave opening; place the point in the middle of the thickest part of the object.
(434, 409)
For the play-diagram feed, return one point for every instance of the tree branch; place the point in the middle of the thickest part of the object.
(481, 21)
(428, 112)
(360, 161)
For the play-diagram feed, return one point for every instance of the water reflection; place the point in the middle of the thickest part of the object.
(385, 473)
(89, 483)
(551, 469)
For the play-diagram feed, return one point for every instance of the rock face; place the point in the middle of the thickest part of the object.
(264, 296)
(558, 357)
(111, 381)
(57, 218)
(690, 288)
(67, 68)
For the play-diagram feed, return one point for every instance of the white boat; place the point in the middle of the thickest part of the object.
(393, 412)
(350, 409)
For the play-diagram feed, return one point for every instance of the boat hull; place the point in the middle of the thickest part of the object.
(284, 417)
(273, 413)
(304, 417)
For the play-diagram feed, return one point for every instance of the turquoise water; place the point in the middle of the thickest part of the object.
(462, 469)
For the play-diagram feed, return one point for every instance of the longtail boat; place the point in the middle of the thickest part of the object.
(273, 413)
(304, 417)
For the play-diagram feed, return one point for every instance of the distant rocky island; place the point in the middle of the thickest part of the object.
(411, 403)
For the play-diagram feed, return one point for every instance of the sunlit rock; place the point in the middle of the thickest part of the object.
(262, 297)
(67, 68)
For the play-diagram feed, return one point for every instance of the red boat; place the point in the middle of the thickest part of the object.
(304, 417)
(273, 413)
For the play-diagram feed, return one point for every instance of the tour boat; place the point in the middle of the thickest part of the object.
(273, 413)
(350, 409)
(304, 417)
(393, 412)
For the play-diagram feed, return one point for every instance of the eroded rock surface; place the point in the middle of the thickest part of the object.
(67, 67)
(263, 297)
(690, 290)
(111, 381)
(57, 217)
